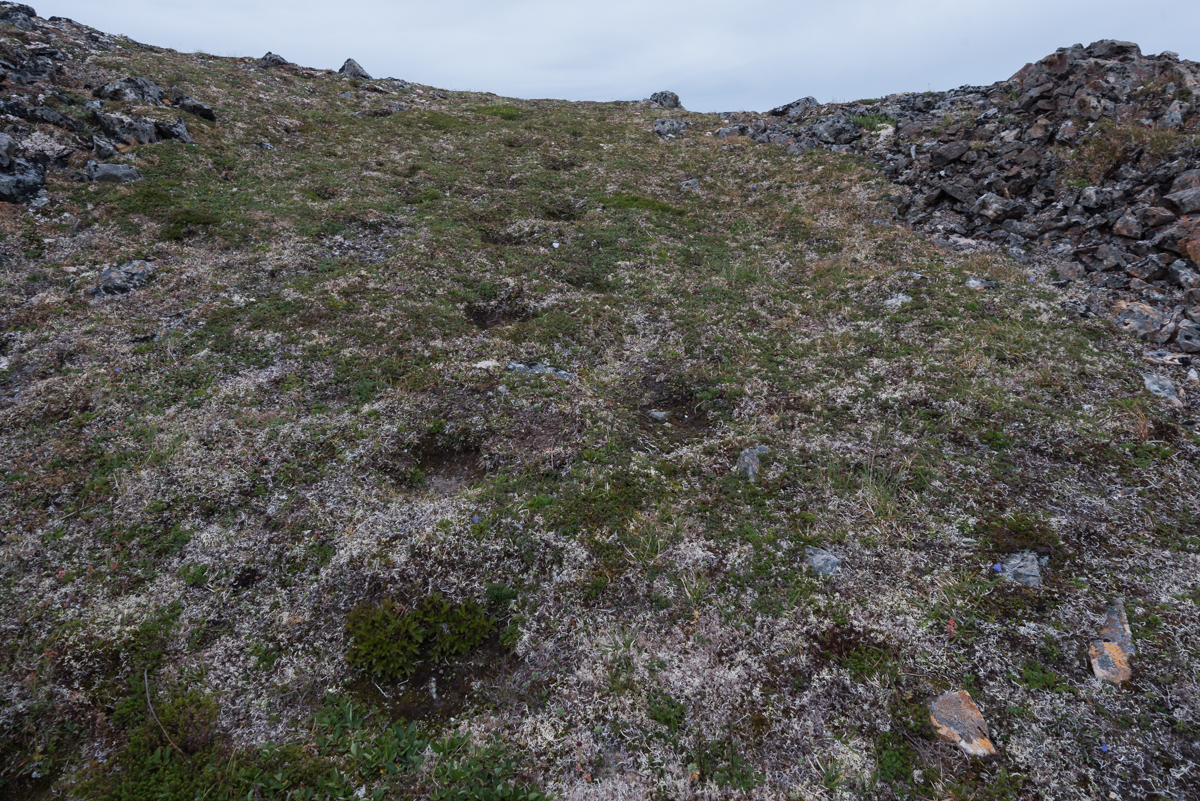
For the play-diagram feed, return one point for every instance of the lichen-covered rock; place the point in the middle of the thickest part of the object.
(111, 173)
(354, 70)
(668, 128)
(749, 462)
(958, 720)
(124, 279)
(1110, 655)
(131, 90)
(666, 99)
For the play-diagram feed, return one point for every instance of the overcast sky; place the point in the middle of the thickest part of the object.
(717, 54)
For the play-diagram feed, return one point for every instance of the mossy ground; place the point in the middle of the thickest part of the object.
(204, 478)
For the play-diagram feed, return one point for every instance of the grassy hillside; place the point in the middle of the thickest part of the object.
(284, 523)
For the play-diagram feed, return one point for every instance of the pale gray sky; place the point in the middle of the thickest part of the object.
(717, 54)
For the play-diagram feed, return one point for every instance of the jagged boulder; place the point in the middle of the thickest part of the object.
(131, 90)
(795, 108)
(111, 173)
(19, 179)
(185, 102)
(274, 60)
(354, 70)
(132, 131)
(837, 129)
(17, 15)
(667, 128)
(666, 99)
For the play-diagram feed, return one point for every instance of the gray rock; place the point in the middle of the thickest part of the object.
(822, 561)
(665, 127)
(837, 129)
(173, 130)
(805, 144)
(1162, 387)
(18, 15)
(749, 463)
(690, 185)
(131, 90)
(996, 209)
(127, 130)
(1140, 319)
(980, 283)
(37, 69)
(111, 173)
(1182, 275)
(1185, 202)
(1187, 336)
(666, 99)
(274, 60)
(8, 150)
(1023, 568)
(185, 102)
(354, 70)
(103, 147)
(948, 153)
(1187, 180)
(21, 181)
(537, 368)
(1173, 116)
(898, 300)
(658, 417)
(795, 108)
(732, 130)
(126, 278)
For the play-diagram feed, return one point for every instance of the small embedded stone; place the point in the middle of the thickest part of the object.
(959, 721)
(1111, 653)
(749, 463)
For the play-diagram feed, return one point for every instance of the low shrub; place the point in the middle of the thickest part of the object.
(388, 642)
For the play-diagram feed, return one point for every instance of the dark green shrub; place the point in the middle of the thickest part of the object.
(503, 112)
(721, 762)
(499, 596)
(425, 196)
(478, 774)
(388, 642)
(664, 709)
(443, 122)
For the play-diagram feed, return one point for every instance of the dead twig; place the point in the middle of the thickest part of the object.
(150, 706)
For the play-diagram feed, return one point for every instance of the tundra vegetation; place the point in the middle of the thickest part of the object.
(282, 523)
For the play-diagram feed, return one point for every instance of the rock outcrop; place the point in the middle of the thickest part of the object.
(1081, 161)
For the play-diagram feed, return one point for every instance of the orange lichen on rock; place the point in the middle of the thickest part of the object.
(958, 720)
(1111, 653)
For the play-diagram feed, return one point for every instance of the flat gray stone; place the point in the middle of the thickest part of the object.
(1162, 387)
(1023, 568)
(126, 278)
(822, 561)
(667, 127)
(537, 368)
(749, 463)
(111, 173)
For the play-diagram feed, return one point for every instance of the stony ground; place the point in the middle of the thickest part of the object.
(326, 398)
